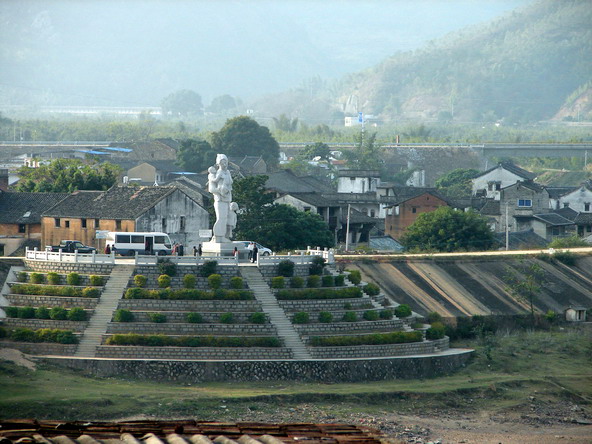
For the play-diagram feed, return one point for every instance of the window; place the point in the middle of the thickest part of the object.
(164, 224)
(586, 206)
(565, 204)
(57, 222)
(182, 223)
(137, 239)
(372, 213)
(97, 224)
(122, 238)
(22, 228)
(118, 225)
(67, 224)
(306, 209)
(525, 203)
(83, 223)
(414, 210)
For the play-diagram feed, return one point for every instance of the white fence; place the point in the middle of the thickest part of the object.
(186, 260)
(91, 258)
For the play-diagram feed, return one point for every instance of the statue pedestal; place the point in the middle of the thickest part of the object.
(218, 248)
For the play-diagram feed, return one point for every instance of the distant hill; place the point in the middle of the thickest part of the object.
(530, 65)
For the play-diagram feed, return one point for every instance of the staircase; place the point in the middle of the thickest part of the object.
(97, 325)
(277, 316)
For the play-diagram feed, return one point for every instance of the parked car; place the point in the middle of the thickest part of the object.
(70, 246)
(263, 251)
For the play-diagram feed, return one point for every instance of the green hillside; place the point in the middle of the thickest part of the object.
(522, 67)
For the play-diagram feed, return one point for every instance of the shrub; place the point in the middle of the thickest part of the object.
(164, 281)
(77, 314)
(354, 276)
(91, 292)
(328, 281)
(22, 335)
(257, 318)
(189, 294)
(36, 278)
(95, 280)
(227, 318)
(278, 282)
(350, 316)
(403, 311)
(58, 313)
(208, 268)
(286, 268)
(66, 337)
(417, 324)
(386, 314)
(157, 318)
(73, 278)
(11, 312)
(297, 282)
(319, 293)
(192, 341)
(301, 318)
(325, 317)
(2, 332)
(313, 281)
(396, 337)
(371, 315)
(434, 317)
(318, 263)
(26, 312)
(189, 281)
(22, 276)
(551, 316)
(339, 280)
(165, 266)
(371, 289)
(236, 282)
(194, 318)
(565, 257)
(436, 331)
(140, 280)
(215, 281)
(47, 290)
(42, 313)
(123, 315)
(53, 278)
(347, 306)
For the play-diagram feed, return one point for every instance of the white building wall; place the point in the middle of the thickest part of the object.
(498, 175)
(577, 200)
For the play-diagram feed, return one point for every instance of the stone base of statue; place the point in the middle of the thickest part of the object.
(218, 248)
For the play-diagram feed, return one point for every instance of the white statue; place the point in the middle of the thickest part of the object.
(220, 185)
(231, 224)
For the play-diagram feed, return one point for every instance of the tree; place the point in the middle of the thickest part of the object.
(182, 103)
(68, 175)
(222, 104)
(318, 149)
(366, 155)
(243, 136)
(195, 155)
(284, 123)
(457, 183)
(526, 284)
(447, 229)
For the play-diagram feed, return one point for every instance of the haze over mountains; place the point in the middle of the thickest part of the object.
(136, 52)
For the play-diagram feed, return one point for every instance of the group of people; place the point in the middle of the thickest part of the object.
(197, 250)
(178, 249)
(253, 251)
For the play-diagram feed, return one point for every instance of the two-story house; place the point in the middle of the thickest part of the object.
(491, 182)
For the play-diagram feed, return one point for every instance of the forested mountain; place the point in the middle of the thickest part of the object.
(523, 67)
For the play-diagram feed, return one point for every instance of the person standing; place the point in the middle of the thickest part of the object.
(174, 252)
(199, 250)
(180, 250)
(255, 252)
(108, 249)
(250, 250)
(235, 253)
(194, 250)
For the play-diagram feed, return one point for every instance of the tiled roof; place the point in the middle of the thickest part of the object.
(26, 208)
(527, 184)
(286, 181)
(491, 208)
(403, 194)
(583, 219)
(385, 243)
(358, 173)
(553, 219)
(315, 199)
(116, 203)
(187, 431)
(568, 213)
(508, 166)
(556, 192)
(519, 240)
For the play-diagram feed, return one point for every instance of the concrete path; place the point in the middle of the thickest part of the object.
(97, 325)
(277, 316)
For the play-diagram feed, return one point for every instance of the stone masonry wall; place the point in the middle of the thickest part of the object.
(336, 328)
(221, 353)
(68, 267)
(326, 304)
(25, 300)
(143, 328)
(368, 351)
(182, 305)
(176, 316)
(35, 324)
(41, 349)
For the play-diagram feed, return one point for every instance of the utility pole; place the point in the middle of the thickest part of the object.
(507, 230)
(347, 228)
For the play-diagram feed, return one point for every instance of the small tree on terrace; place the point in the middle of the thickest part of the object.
(526, 284)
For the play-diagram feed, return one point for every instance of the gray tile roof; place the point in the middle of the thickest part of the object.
(556, 192)
(583, 219)
(115, 203)
(491, 208)
(358, 173)
(519, 240)
(15, 206)
(286, 181)
(553, 219)
(509, 166)
(568, 213)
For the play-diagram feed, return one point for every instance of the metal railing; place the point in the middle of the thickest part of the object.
(59, 256)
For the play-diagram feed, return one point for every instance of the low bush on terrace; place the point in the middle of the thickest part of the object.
(257, 318)
(403, 311)
(123, 315)
(371, 289)
(340, 280)
(320, 293)
(43, 335)
(278, 282)
(354, 276)
(188, 294)
(328, 280)
(157, 318)
(95, 280)
(396, 337)
(236, 283)
(36, 278)
(140, 280)
(53, 278)
(73, 278)
(436, 331)
(191, 341)
(56, 313)
(55, 290)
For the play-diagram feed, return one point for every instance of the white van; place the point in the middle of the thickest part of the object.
(126, 244)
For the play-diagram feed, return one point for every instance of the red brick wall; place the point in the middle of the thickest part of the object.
(395, 225)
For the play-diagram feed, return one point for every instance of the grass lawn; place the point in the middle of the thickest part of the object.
(506, 371)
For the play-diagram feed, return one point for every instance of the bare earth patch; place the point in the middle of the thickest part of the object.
(16, 356)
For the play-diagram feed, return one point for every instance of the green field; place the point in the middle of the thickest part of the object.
(506, 372)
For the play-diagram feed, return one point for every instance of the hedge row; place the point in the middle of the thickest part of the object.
(55, 313)
(55, 290)
(395, 337)
(349, 316)
(312, 281)
(188, 294)
(191, 341)
(42, 335)
(320, 293)
(54, 278)
(123, 315)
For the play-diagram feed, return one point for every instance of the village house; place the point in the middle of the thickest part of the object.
(491, 182)
(177, 210)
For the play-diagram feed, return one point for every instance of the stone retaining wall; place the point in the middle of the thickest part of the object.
(35, 324)
(191, 329)
(309, 305)
(68, 267)
(179, 317)
(269, 271)
(222, 353)
(370, 351)
(196, 306)
(41, 348)
(26, 300)
(84, 280)
(343, 328)
(326, 371)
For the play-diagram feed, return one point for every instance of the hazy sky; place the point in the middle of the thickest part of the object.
(134, 52)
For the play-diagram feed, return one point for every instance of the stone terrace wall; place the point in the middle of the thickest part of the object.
(269, 271)
(335, 328)
(359, 370)
(368, 351)
(143, 328)
(221, 353)
(25, 300)
(326, 304)
(174, 316)
(68, 267)
(41, 349)
(182, 305)
(35, 324)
